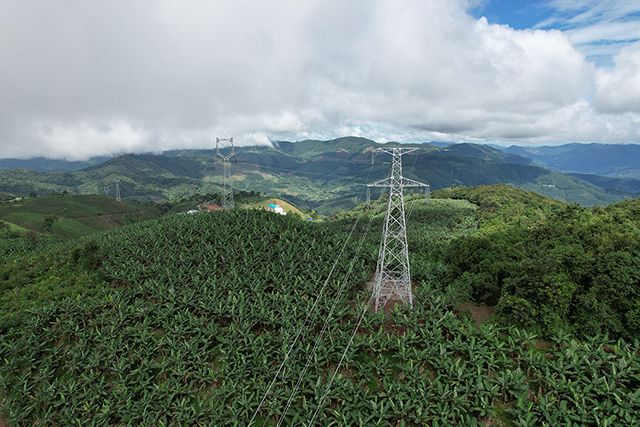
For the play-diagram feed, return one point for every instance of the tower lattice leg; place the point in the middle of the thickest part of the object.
(227, 190)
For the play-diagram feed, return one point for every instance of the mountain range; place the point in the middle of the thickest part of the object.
(329, 175)
(43, 164)
(611, 160)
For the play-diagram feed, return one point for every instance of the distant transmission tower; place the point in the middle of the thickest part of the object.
(222, 150)
(393, 278)
(117, 181)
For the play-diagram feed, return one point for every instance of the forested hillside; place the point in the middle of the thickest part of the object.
(482, 151)
(549, 266)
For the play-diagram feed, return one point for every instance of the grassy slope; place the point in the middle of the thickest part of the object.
(288, 207)
(5, 197)
(48, 274)
(15, 228)
(74, 216)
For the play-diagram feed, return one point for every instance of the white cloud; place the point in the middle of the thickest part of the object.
(618, 90)
(446, 72)
(88, 78)
(78, 141)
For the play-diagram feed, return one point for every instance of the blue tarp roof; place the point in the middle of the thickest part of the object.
(272, 206)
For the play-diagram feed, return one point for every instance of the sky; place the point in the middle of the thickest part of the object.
(85, 78)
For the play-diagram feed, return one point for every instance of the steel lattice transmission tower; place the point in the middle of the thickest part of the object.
(222, 150)
(393, 276)
(117, 181)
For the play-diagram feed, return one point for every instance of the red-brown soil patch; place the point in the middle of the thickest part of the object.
(389, 305)
(214, 207)
(479, 313)
(3, 421)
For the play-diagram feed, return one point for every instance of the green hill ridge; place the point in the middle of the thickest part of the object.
(315, 175)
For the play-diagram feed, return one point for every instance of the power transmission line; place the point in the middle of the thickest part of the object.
(326, 324)
(335, 372)
(307, 321)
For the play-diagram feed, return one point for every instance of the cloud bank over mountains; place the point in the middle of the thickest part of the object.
(81, 79)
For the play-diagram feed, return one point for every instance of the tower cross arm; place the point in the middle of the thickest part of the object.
(407, 182)
(394, 150)
(403, 182)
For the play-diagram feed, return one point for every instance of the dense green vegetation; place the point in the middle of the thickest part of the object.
(184, 320)
(143, 178)
(52, 272)
(549, 266)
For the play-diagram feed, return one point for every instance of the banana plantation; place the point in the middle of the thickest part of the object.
(200, 311)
